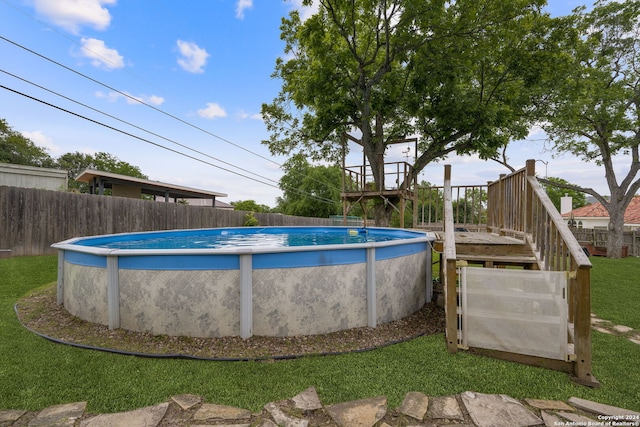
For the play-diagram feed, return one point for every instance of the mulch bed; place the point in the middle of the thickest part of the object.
(40, 313)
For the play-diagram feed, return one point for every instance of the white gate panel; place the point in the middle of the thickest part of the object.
(517, 311)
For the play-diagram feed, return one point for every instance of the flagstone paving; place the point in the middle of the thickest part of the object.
(607, 327)
(469, 409)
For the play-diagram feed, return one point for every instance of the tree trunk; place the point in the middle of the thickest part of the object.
(382, 213)
(616, 233)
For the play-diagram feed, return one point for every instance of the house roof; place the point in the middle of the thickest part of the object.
(155, 188)
(596, 210)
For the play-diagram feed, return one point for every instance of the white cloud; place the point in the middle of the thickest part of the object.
(212, 111)
(42, 141)
(243, 115)
(155, 100)
(242, 6)
(193, 59)
(74, 14)
(131, 99)
(305, 11)
(100, 54)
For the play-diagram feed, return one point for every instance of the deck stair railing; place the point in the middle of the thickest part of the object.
(518, 207)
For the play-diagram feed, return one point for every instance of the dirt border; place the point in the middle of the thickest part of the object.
(40, 313)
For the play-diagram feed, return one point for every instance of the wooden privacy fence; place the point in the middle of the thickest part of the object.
(598, 238)
(31, 219)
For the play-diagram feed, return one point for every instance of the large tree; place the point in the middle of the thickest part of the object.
(17, 149)
(454, 73)
(595, 108)
(309, 190)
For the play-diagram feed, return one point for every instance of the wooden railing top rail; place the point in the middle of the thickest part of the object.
(578, 255)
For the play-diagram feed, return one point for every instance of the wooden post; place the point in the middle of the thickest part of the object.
(582, 331)
(450, 274)
(501, 203)
(344, 181)
(451, 305)
(415, 202)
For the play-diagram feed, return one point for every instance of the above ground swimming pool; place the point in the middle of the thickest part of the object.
(266, 281)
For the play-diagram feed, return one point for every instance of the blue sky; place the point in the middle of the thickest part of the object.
(206, 65)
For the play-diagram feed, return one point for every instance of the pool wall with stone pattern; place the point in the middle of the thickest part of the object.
(245, 291)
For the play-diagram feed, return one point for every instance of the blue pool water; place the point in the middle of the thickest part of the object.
(246, 236)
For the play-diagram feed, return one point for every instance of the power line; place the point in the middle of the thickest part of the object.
(61, 34)
(132, 125)
(127, 133)
(151, 142)
(128, 96)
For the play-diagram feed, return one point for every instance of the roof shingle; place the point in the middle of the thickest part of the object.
(596, 210)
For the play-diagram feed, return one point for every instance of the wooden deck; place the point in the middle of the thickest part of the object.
(490, 250)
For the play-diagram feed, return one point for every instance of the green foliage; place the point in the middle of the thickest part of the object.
(250, 220)
(250, 206)
(71, 374)
(19, 150)
(77, 162)
(461, 75)
(474, 83)
(593, 108)
(109, 163)
(578, 199)
(307, 190)
(74, 163)
(16, 149)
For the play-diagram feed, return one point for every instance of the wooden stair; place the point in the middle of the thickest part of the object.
(492, 250)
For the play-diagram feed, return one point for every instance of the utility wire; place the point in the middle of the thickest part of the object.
(321, 199)
(132, 125)
(61, 34)
(137, 100)
(128, 133)
(128, 96)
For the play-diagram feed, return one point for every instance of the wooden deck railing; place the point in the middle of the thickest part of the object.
(518, 206)
(468, 202)
(360, 178)
(448, 266)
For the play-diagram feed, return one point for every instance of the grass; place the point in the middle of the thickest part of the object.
(615, 290)
(35, 373)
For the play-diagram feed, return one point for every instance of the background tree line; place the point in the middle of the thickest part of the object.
(17, 149)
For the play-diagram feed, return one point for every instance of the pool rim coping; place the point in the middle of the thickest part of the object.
(70, 244)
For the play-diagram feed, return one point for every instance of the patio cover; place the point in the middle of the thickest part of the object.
(98, 181)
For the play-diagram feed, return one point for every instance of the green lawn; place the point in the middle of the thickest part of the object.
(615, 290)
(35, 373)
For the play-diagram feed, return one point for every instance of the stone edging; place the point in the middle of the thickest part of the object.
(305, 409)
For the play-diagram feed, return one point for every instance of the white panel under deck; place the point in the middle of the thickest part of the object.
(517, 311)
